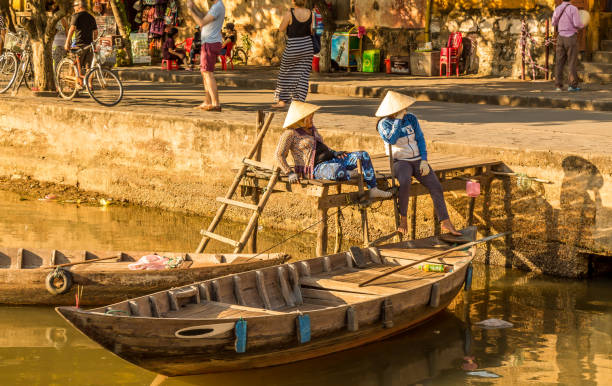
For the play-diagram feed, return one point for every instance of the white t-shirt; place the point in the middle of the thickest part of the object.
(211, 32)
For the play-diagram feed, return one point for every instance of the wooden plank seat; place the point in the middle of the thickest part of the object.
(211, 309)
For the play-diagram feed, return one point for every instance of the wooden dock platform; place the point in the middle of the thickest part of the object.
(452, 170)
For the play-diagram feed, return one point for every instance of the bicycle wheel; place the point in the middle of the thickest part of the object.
(8, 70)
(240, 57)
(104, 86)
(66, 79)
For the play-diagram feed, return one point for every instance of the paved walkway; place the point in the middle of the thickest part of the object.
(579, 132)
(468, 89)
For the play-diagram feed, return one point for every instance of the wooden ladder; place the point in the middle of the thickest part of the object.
(247, 163)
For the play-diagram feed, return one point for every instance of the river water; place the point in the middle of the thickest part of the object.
(562, 331)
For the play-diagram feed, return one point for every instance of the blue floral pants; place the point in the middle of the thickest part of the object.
(337, 168)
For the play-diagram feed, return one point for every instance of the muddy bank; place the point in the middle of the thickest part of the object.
(31, 189)
(183, 163)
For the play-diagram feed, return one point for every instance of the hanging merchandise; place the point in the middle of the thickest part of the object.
(157, 27)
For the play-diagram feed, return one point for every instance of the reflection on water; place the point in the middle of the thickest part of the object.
(47, 224)
(562, 329)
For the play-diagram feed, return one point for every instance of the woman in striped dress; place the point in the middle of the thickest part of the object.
(296, 63)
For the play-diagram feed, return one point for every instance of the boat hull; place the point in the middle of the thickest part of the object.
(160, 351)
(27, 286)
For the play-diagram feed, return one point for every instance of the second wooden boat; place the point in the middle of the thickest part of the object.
(25, 276)
(279, 314)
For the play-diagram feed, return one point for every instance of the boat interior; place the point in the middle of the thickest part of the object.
(307, 285)
(20, 258)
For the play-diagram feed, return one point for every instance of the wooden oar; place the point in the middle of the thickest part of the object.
(84, 262)
(457, 248)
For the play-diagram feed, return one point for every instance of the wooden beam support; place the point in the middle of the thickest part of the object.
(238, 291)
(322, 233)
(154, 307)
(352, 323)
(134, 308)
(413, 215)
(204, 292)
(216, 291)
(261, 289)
(284, 286)
(295, 281)
(338, 224)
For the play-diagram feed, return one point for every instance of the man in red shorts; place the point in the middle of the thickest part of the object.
(211, 25)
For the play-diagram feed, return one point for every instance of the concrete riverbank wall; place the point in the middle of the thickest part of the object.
(182, 163)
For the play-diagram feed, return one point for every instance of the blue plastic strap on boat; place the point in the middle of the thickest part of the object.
(241, 336)
(468, 278)
(304, 328)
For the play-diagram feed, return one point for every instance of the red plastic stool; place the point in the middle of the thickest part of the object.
(315, 64)
(169, 65)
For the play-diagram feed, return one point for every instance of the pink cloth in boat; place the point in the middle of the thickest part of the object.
(149, 262)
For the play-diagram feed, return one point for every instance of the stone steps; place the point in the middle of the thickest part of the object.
(596, 77)
(602, 57)
(594, 67)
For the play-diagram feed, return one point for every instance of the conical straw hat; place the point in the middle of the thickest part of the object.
(393, 103)
(297, 112)
(585, 17)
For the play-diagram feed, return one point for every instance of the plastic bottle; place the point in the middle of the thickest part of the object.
(435, 268)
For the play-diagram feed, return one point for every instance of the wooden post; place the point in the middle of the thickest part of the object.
(322, 234)
(413, 213)
(437, 229)
(470, 214)
(395, 198)
(363, 210)
(252, 243)
(338, 245)
(547, 46)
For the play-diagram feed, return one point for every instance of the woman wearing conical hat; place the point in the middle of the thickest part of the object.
(312, 158)
(402, 130)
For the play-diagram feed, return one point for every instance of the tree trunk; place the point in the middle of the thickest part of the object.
(329, 22)
(121, 21)
(42, 65)
(41, 28)
(325, 54)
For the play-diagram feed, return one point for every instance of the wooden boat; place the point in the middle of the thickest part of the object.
(278, 315)
(24, 274)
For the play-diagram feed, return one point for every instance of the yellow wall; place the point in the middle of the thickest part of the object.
(448, 5)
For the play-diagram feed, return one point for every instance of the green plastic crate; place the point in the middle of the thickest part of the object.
(371, 61)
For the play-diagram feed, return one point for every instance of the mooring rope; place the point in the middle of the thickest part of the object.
(300, 232)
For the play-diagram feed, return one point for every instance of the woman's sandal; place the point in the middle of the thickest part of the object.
(279, 105)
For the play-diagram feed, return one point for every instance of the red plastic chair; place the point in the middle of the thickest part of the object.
(169, 65)
(188, 45)
(228, 55)
(450, 54)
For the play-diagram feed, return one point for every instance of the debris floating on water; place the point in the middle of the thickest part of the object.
(483, 374)
(494, 323)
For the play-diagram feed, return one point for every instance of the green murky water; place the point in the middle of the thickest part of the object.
(562, 330)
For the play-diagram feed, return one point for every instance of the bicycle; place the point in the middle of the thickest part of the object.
(16, 62)
(101, 84)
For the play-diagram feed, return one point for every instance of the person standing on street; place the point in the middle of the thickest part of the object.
(211, 25)
(567, 20)
(85, 30)
(296, 62)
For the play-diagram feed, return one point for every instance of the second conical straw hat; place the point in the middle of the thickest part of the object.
(297, 112)
(393, 103)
